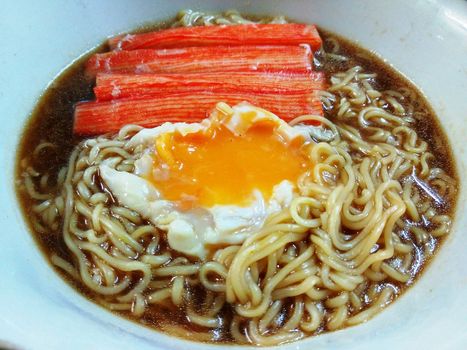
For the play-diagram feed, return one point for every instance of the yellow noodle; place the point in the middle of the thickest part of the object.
(323, 263)
(338, 318)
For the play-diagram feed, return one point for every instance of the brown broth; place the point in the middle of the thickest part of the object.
(52, 119)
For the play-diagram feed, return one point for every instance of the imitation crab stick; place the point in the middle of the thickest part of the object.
(93, 118)
(245, 34)
(115, 86)
(204, 59)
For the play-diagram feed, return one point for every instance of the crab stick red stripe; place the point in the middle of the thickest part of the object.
(285, 59)
(219, 35)
(116, 86)
(92, 118)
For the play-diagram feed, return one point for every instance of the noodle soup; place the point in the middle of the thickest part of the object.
(373, 207)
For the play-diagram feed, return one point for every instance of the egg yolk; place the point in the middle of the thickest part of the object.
(217, 166)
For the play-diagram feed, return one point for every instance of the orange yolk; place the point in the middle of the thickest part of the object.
(216, 166)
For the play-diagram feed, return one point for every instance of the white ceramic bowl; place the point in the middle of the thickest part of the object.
(425, 40)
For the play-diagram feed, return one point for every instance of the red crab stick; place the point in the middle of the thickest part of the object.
(116, 86)
(245, 34)
(204, 59)
(92, 118)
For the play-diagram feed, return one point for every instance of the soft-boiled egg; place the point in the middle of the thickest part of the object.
(213, 182)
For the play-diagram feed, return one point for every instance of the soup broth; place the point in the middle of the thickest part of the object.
(416, 241)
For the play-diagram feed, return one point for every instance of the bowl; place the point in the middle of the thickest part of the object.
(424, 40)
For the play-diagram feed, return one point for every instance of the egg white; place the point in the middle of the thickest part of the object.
(191, 232)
